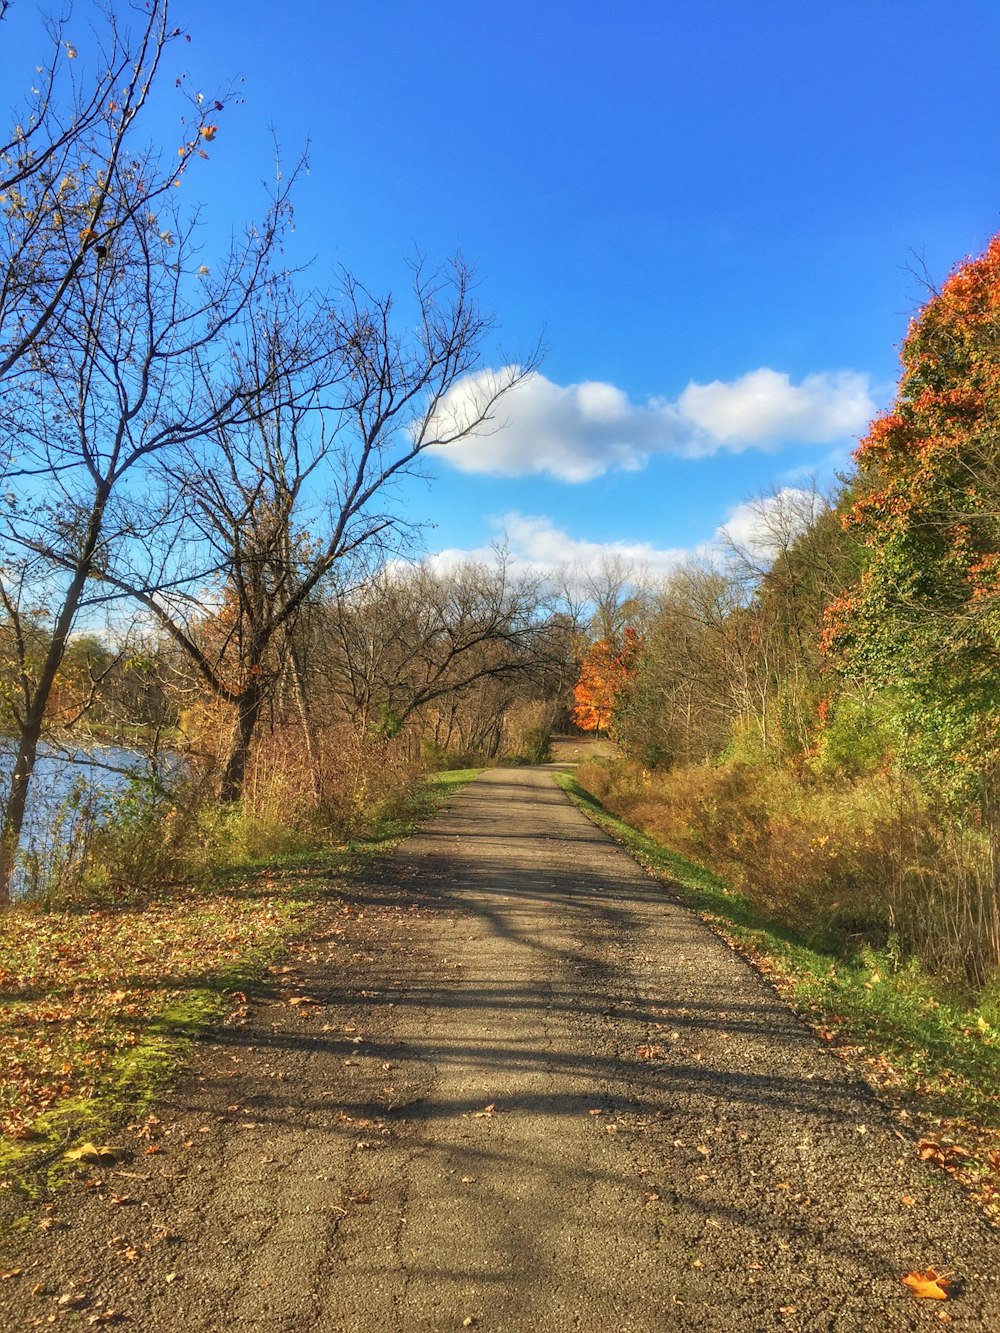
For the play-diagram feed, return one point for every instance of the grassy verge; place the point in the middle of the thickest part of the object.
(99, 1001)
(933, 1052)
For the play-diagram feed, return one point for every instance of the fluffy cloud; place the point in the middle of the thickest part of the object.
(577, 432)
(533, 544)
(766, 408)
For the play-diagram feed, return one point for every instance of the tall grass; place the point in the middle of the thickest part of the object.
(849, 862)
(106, 844)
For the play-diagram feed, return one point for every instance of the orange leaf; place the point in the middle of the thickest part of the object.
(209, 132)
(931, 1286)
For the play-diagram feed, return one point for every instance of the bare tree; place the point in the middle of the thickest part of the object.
(66, 156)
(304, 488)
(413, 637)
(136, 362)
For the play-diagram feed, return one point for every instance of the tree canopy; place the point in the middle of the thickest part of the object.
(922, 620)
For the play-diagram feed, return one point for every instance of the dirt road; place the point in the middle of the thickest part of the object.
(513, 1087)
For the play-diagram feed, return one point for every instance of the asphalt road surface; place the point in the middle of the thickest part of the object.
(512, 1086)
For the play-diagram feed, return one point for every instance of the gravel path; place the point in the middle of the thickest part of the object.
(512, 1087)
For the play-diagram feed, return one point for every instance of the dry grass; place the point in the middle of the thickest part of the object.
(857, 861)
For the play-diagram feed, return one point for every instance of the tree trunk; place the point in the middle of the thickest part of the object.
(13, 819)
(31, 729)
(308, 730)
(247, 716)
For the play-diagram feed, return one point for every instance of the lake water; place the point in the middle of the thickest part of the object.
(93, 775)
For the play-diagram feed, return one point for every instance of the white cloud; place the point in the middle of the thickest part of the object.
(533, 544)
(577, 432)
(765, 407)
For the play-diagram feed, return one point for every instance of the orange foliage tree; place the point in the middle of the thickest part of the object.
(604, 670)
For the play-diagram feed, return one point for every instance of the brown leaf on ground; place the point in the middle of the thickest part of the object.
(932, 1285)
(486, 1113)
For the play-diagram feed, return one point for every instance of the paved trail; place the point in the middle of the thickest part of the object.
(570, 1108)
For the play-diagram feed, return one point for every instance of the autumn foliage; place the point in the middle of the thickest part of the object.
(604, 670)
(924, 619)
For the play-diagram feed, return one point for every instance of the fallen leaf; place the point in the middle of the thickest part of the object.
(468, 1180)
(486, 1113)
(909, 1200)
(88, 1152)
(11, 1272)
(932, 1285)
(361, 1198)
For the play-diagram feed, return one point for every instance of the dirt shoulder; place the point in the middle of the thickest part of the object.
(508, 1083)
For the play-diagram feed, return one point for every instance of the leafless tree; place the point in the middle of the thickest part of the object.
(304, 489)
(136, 362)
(66, 156)
(414, 637)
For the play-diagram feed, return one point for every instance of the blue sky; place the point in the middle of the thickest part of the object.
(710, 211)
